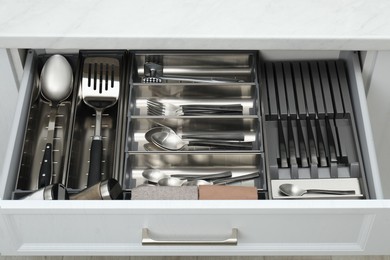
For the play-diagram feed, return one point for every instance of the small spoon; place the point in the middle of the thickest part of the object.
(171, 141)
(294, 190)
(56, 86)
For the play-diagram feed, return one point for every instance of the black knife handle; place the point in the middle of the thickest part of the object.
(46, 167)
(95, 160)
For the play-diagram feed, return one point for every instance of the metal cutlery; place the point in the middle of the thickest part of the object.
(289, 189)
(100, 90)
(171, 141)
(56, 84)
(158, 108)
(228, 137)
(154, 74)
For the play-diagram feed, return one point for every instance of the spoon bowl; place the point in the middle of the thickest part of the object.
(56, 79)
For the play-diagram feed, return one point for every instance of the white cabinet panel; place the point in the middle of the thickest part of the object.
(379, 107)
(264, 227)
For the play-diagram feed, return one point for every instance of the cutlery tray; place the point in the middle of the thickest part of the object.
(310, 96)
(36, 133)
(183, 70)
(74, 128)
(280, 102)
(84, 127)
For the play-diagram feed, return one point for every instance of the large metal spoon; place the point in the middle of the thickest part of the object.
(294, 190)
(171, 141)
(56, 86)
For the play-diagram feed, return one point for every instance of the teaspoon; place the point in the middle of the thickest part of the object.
(294, 190)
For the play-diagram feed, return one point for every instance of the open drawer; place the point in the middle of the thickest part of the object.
(231, 227)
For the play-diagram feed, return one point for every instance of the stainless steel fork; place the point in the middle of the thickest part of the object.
(100, 90)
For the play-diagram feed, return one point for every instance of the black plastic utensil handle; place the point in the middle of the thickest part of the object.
(46, 167)
(95, 160)
(217, 137)
(226, 145)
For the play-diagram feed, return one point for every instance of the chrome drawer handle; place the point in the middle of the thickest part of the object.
(148, 241)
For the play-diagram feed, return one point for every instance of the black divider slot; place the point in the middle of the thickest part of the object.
(327, 95)
(271, 88)
(300, 95)
(289, 88)
(317, 92)
(307, 88)
(280, 89)
(343, 80)
(335, 90)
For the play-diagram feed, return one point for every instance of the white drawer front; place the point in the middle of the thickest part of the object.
(263, 228)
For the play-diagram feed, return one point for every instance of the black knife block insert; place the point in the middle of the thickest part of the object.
(306, 96)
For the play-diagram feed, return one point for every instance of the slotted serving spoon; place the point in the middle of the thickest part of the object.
(100, 90)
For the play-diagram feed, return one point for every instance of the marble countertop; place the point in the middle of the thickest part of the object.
(196, 24)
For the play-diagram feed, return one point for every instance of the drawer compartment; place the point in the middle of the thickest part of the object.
(85, 123)
(36, 133)
(205, 108)
(310, 128)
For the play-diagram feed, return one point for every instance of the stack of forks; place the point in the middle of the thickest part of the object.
(157, 108)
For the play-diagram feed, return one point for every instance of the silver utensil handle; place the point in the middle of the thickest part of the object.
(334, 192)
(148, 241)
(237, 179)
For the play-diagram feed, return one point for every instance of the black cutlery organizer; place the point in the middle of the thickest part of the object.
(36, 132)
(84, 126)
(309, 121)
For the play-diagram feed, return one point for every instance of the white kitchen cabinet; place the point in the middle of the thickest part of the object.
(262, 227)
